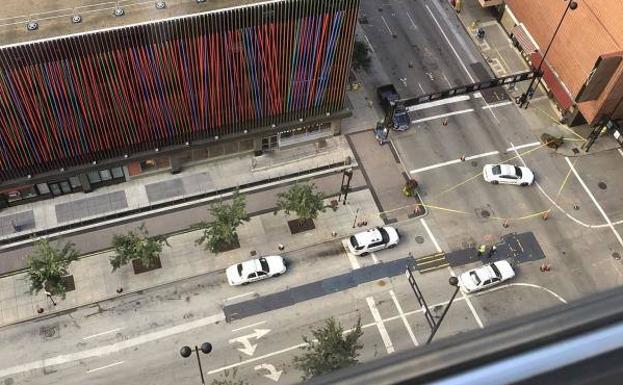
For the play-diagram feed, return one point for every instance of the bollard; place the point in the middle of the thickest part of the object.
(505, 224)
(280, 247)
(546, 215)
(462, 158)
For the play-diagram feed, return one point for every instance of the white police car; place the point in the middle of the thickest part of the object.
(372, 240)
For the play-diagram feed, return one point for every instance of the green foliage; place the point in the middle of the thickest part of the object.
(329, 349)
(136, 245)
(303, 199)
(229, 378)
(47, 265)
(222, 230)
(361, 56)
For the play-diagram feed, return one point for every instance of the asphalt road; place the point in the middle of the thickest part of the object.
(492, 129)
(136, 338)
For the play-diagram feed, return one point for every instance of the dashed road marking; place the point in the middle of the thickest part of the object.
(105, 367)
(101, 334)
(249, 326)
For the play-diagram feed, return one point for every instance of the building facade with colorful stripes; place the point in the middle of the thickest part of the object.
(104, 105)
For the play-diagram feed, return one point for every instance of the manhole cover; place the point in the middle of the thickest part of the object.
(48, 331)
(602, 185)
(419, 239)
(616, 256)
(485, 214)
(474, 163)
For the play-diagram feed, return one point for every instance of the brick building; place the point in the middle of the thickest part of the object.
(99, 94)
(583, 70)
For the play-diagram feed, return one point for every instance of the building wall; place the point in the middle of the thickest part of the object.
(592, 29)
(74, 100)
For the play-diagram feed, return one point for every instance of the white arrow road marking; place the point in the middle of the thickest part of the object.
(249, 348)
(273, 373)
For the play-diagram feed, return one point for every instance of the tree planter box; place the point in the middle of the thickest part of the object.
(228, 246)
(138, 267)
(299, 226)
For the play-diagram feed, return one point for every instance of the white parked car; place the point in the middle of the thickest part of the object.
(486, 276)
(255, 270)
(507, 173)
(372, 240)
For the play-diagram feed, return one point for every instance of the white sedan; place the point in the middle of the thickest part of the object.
(507, 173)
(255, 270)
(486, 276)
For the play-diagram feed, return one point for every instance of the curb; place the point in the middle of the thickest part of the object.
(128, 293)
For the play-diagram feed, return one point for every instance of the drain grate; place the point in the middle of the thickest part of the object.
(616, 256)
(485, 213)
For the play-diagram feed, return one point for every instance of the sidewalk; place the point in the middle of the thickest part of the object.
(95, 282)
(140, 195)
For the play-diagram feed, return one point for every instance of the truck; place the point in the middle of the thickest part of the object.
(390, 100)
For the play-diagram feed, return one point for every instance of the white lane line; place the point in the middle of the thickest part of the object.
(454, 161)
(387, 26)
(514, 148)
(403, 317)
(374, 258)
(101, 334)
(412, 22)
(450, 44)
(421, 88)
(443, 115)
(353, 259)
(369, 44)
(380, 325)
(590, 194)
(554, 294)
(106, 366)
(469, 303)
(285, 350)
(240, 296)
(496, 105)
(430, 235)
(437, 103)
(538, 185)
(249, 326)
(114, 348)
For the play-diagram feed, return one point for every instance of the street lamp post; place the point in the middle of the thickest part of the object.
(186, 351)
(524, 99)
(453, 282)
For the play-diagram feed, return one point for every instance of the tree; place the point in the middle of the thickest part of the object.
(136, 245)
(361, 56)
(303, 199)
(222, 230)
(47, 266)
(329, 349)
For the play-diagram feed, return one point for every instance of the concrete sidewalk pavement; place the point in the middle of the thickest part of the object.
(95, 282)
(141, 195)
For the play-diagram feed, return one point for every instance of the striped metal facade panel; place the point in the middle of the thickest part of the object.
(74, 100)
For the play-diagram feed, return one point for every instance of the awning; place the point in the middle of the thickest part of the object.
(553, 82)
(521, 35)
